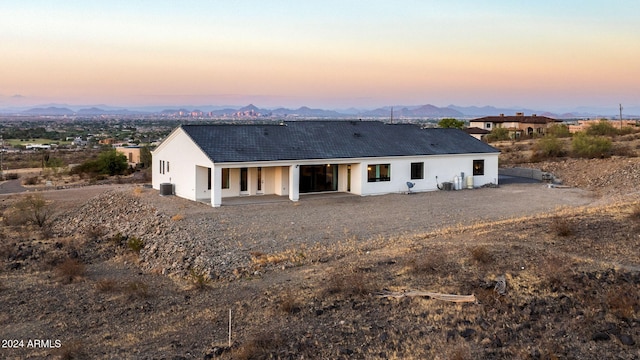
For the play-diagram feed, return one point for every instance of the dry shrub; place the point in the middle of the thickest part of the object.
(562, 226)
(557, 273)
(106, 285)
(288, 303)
(72, 350)
(137, 289)
(7, 248)
(431, 263)
(16, 218)
(95, 233)
(261, 345)
(177, 217)
(623, 302)
(623, 150)
(35, 209)
(635, 213)
(118, 238)
(462, 352)
(31, 180)
(481, 254)
(261, 259)
(70, 270)
(350, 283)
(199, 279)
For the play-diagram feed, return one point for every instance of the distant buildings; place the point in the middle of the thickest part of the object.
(37, 147)
(582, 125)
(518, 125)
(132, 153)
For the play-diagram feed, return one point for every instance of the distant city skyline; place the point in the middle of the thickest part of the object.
(332, 54)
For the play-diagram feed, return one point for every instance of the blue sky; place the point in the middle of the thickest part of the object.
(321, 53)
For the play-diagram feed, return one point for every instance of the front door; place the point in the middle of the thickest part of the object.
(244, 181)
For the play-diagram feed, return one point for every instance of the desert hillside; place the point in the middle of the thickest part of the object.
(118, 271)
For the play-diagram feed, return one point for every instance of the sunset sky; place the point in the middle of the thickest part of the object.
(331, 54)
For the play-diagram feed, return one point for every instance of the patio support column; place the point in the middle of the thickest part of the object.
(294, 182)
(216, 186)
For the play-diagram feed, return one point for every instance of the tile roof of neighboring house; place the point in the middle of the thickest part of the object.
(299, 140)
(476, 130)
(534, 119)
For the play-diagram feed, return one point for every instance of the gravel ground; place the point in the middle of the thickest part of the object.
(575, 290)
(181, 235)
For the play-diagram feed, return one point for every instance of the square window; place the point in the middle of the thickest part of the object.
(478, 167)
(417, 171)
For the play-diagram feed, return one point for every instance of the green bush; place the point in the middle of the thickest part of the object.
(601, 128)
(109, 162)
(590, 147)
(498, 134)
(135, 244)
(559, 131)
(547, 147)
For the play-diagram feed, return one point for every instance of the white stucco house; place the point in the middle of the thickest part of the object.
(212, 162)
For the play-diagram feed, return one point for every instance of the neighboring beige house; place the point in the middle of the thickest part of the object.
(518, 125)
(132, 153)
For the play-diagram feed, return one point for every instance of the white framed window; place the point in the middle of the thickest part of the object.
(379, 172)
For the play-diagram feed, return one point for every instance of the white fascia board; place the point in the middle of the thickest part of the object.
(337, 160)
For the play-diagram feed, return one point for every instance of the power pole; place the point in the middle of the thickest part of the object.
(1, 158)
(620, 116)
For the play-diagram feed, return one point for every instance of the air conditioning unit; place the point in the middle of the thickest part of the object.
(166, 189)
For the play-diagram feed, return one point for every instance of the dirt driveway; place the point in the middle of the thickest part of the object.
(228, 234)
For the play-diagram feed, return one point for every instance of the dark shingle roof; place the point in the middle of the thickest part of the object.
(299, 140)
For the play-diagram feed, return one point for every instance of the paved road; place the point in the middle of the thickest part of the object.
(11, 186)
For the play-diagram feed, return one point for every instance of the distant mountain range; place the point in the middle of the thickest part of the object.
(251, 111)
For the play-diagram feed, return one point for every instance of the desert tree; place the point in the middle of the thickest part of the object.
(451, 123)
(35, 210)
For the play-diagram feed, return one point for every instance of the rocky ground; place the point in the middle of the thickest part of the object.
(125, 273)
